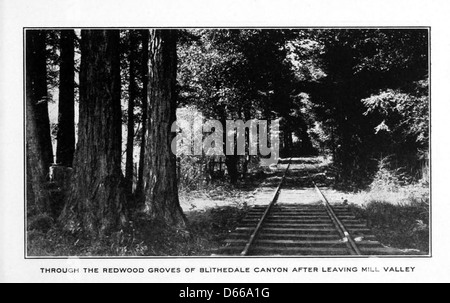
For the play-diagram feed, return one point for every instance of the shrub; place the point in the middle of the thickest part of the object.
(40, 222)
(191, 172)
(403, 225)
(387, 179)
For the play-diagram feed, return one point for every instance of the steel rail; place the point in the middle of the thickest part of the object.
(343, 232)
(266, 213)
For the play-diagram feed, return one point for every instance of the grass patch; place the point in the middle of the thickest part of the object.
(204, 234)
(212, 212)
(395, 208)
(401, 225)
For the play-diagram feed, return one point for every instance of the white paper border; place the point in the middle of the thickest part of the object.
(17, 14)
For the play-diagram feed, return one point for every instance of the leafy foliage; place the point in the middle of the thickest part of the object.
(371, 97)
(356, 93)
(387, 179)
(406, 115)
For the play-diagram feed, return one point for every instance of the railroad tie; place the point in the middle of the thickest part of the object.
(317, 229)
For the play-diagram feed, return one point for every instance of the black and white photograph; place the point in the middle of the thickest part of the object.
(217, 143)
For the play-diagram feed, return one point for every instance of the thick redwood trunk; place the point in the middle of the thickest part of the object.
(130, 123)
(144, 96)
(38, 76)
(161, 189)
(95, 203)
(38, 200)
(66, 112)
(37, 169)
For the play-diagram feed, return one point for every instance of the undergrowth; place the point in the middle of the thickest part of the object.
(207, 227)
(396, 209)
(404, 226)
(205, 232)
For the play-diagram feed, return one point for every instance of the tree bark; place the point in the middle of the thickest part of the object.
(287, 136)
(96, 199)
(144, 64)
(66, 112)
(130, 123)
(161, 189)
(37, 195)
(38, 76)
(231, 161)
(246, 158)
(306, 147)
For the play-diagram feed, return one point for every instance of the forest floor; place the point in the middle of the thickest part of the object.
(399, 217)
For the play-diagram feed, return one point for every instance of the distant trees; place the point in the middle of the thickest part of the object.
(316, 80)
(134, 73)
(359, 65)
(239, 74)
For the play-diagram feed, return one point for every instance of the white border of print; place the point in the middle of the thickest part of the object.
(17, 14)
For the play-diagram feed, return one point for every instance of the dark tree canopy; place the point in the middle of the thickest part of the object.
(330, 86)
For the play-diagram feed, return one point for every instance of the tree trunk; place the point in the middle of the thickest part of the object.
(306, 147)
(95, 202)
(66, 116)
(231, 161)
(37, 196)
(161, 189)
(246, 158)
(287, 138)
(130, 123)
(38, 74)
(144, 64)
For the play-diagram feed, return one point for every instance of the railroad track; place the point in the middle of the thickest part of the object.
(313, 229)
